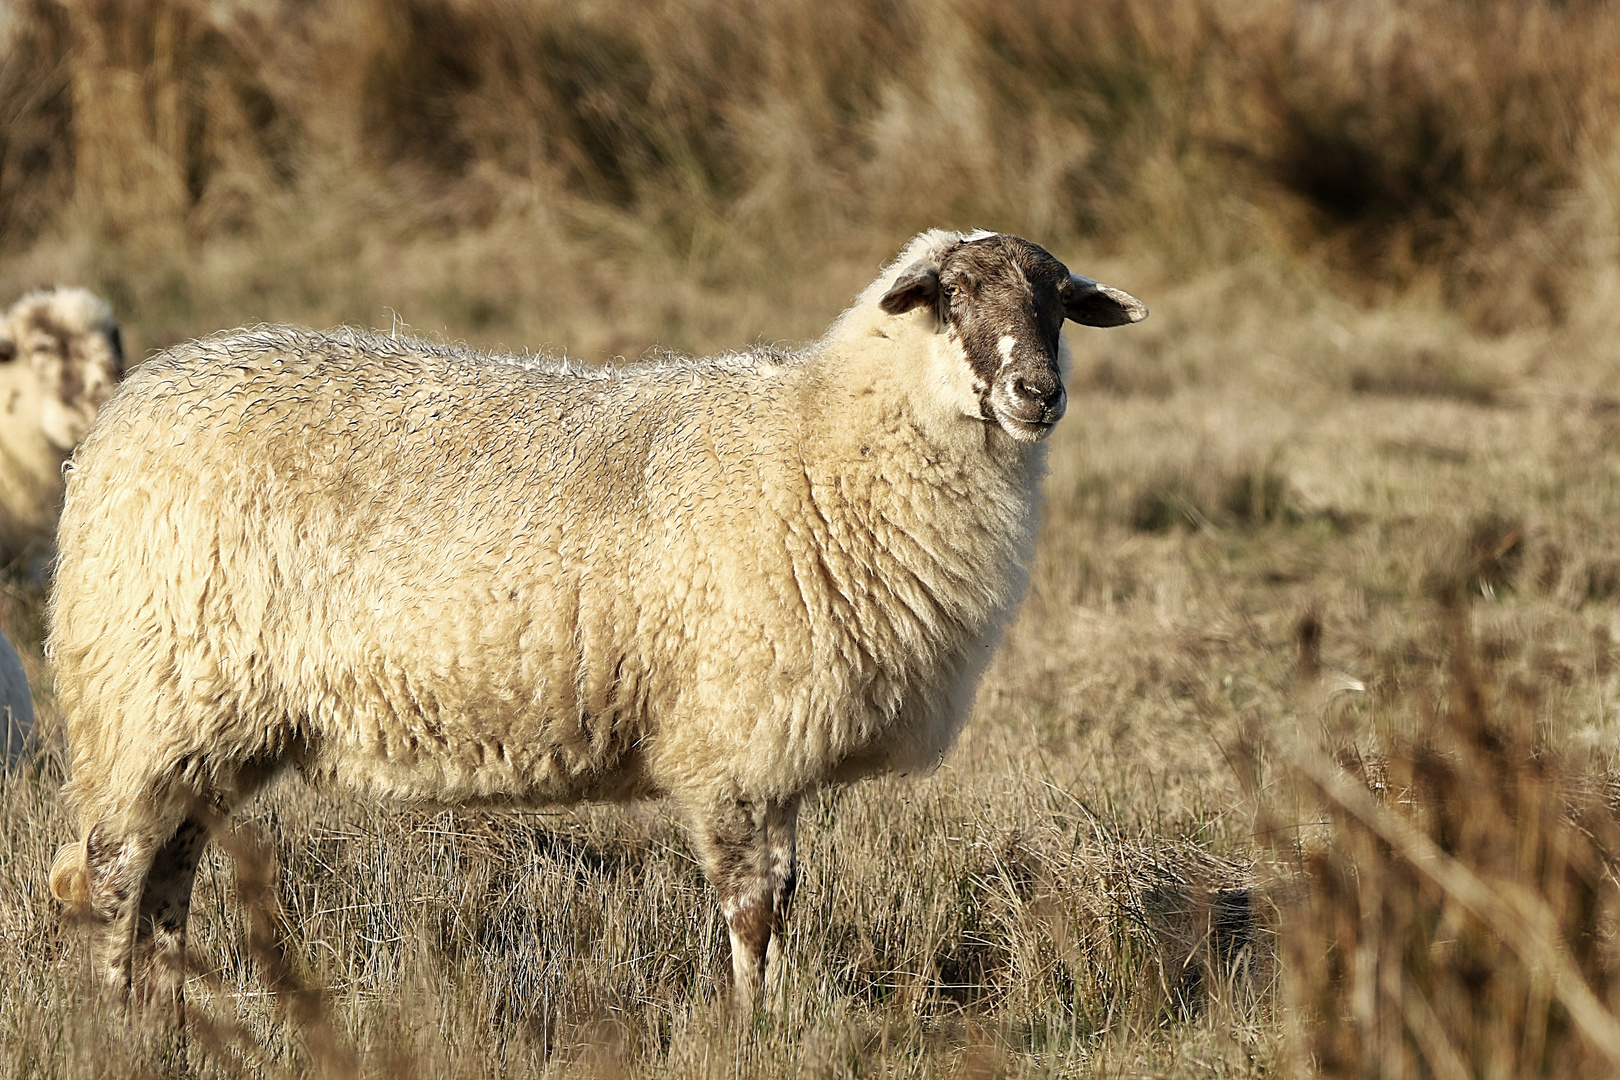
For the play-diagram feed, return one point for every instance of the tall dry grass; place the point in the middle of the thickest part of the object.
(1459, 920)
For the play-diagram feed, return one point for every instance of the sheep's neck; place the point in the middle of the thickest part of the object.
(930, 506)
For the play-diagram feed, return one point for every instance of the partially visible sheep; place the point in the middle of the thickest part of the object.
(16, 703)
(440, 576)
(60, 360)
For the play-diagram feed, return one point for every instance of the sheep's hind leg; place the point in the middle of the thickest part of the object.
(100, 879)
(132, 885)
(747, 852)
(781, 839)
(159, 953)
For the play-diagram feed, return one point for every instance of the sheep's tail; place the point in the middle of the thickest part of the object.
(70, 876)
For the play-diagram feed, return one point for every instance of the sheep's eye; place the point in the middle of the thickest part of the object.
(948, 290)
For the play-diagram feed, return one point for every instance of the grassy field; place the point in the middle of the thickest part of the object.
(1340, 513)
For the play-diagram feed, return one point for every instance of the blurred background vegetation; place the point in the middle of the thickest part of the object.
(697, 171)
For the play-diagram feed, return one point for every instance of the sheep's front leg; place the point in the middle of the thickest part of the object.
(743, 852)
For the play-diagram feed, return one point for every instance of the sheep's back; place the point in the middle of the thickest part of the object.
(424, 571)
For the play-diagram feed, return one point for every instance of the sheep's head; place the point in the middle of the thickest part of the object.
(1003, 300)
(66, 346)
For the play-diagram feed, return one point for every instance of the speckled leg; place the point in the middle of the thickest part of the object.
(781, 839)
(139, 893)
(116, 865)
(159, 953)
(731, 841)
(754, 878)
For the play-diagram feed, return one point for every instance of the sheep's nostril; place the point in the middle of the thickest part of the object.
(1036, 395)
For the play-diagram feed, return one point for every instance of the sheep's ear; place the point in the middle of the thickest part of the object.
(1092, 304)
(918, 284)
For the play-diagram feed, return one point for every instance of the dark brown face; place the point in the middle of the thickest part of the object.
(1004, 300)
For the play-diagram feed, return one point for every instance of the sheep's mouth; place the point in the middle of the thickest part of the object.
(1024, 430)
(1025, 420)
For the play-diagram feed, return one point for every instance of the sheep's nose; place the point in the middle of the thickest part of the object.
(1046, 396)
(1037, 394)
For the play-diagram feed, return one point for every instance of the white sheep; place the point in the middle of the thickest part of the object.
(60, 359)
(16, 702)
(440, 576)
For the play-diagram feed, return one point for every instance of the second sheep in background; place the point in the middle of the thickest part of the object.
(61, 356)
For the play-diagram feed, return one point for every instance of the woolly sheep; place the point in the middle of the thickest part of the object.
(438, 576)
(16, 702)
(60, 360)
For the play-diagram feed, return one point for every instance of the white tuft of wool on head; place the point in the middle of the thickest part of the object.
(434, 575)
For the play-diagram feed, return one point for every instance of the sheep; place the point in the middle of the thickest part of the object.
(61, 357)
(16, 703)
(437, 576)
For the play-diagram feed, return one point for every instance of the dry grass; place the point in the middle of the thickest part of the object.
(1460, 920)
(1382, 246)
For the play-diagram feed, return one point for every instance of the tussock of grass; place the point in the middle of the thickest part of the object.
(1206, 494)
